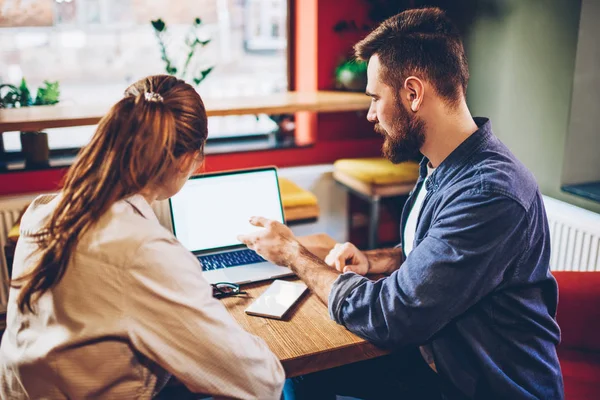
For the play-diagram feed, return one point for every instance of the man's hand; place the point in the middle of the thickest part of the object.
(347, 258)
(276, 243)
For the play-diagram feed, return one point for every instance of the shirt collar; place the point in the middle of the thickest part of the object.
(142, 207)
(459, 156)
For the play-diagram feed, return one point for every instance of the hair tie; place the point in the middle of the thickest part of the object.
(152, 96)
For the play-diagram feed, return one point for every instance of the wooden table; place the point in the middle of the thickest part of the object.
(307, 340)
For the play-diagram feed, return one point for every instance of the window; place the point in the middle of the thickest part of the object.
(95, 48)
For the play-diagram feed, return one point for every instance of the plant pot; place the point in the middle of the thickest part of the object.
(35, 149)
(352, 82)
(351, 75)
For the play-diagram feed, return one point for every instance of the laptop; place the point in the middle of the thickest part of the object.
(211, 210)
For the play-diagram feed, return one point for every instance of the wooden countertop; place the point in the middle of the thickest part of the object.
(306, 340)
(64, 115)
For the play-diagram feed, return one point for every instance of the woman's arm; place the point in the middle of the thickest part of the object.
(173, 319)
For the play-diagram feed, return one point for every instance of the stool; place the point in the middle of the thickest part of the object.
(373, 179)
(299, 205)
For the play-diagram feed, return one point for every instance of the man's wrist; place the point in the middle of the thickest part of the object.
(296, 252)
(384, 261)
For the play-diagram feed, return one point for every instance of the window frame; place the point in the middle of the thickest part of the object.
(7, 157)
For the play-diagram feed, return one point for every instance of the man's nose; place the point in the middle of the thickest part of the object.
(372, 115)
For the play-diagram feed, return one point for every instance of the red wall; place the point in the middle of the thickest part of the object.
(317, 52)
(315, 69)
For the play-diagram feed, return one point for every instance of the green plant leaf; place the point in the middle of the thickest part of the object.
(206, 72)
(203, 74)
(340, 26)
(47, 94)
(351, 74)
(191, 41)
(11, 98)
(158, 25)
(25, 94)
(352, 65)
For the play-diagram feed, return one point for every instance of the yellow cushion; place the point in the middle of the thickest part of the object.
(13, 234)
(293, 195)
(378, 171)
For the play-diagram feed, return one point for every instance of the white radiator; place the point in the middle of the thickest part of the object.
(575, 236)
(10, 208)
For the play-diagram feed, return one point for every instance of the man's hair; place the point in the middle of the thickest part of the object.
(421, 42)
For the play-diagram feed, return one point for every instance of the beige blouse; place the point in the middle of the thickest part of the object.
(131, 309)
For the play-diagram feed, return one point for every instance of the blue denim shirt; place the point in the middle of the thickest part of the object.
(477, 287)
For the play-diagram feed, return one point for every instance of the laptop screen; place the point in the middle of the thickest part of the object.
(210, 211)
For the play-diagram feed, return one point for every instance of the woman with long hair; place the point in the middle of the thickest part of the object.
(104, 301)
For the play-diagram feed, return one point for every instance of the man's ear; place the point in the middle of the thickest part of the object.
(414, 92)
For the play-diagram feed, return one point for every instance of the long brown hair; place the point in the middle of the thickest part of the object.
(136, 146)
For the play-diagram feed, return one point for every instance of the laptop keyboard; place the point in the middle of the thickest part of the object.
(230, 259)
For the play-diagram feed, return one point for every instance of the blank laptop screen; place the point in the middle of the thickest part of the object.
(209, 212)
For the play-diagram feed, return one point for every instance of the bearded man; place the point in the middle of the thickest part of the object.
(467, 305)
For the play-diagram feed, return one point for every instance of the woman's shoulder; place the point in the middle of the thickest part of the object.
(121, 231)
(126, 227)
(134, 241)
(37, 214)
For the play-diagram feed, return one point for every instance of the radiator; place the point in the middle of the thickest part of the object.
(10, 208)
(575, 237)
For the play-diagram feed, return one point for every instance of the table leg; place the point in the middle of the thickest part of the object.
(374, 222)
(2, 154)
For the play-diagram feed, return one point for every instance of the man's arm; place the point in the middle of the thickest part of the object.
(384, 261)
(463, 257)
(317, 275)
(347, 257)
(277, 244)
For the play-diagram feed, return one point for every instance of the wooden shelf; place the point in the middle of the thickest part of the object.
(63, 115)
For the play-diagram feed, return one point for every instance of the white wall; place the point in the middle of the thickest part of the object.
(582, 148)
(522, 63)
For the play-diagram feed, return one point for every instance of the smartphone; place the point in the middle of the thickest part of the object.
(276, 301)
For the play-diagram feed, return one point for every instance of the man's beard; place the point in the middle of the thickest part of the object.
(406, 138)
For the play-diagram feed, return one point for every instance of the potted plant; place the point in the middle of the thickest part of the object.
(34, 144)
(186, 70)
(351, 74)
